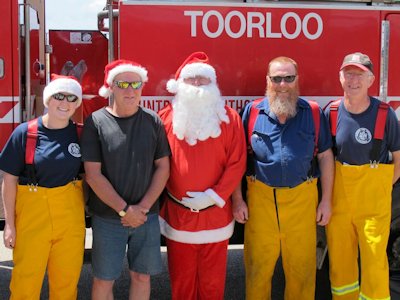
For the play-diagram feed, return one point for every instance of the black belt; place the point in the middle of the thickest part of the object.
(177, 201)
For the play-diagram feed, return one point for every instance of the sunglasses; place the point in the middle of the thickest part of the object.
(61, 97)
(125, 84)
(278, 79)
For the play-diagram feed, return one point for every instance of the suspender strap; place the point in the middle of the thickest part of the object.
(316, 118)
(31, 141)
(253, 114)
(381, 120)
(252, 119)
(333, 116)
(379, 131)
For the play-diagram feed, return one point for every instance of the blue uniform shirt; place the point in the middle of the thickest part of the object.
(283, 152)
(354, 134)
(57, 155)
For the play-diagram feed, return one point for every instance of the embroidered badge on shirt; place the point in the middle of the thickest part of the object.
(74, 150)
(363, 136)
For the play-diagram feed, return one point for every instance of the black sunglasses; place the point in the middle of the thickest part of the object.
(61, 97)
(278, 79)
(125, 84)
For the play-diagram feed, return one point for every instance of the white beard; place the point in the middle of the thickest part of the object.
(198, 112)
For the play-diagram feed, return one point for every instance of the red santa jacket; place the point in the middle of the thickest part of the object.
(217, 164)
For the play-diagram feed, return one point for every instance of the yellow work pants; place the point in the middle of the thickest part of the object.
(281, 221)
(50, 232)
(361, 210)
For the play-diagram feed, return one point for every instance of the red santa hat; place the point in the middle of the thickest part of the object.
(117, 67)
(197, 64)
(59, 84)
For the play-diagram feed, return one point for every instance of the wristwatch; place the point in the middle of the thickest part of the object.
(122, 213)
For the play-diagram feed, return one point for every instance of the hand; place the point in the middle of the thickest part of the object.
(324, 212)
(135, 216)
(197, 201)
(240, 211)
(9, 236)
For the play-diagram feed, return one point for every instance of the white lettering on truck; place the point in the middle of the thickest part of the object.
(254, 23)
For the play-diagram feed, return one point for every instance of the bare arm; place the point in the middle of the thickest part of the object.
(9, 193)
(327, 167)
(239, 206)
(396, 162)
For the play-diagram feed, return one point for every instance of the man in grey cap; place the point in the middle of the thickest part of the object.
(365, 130)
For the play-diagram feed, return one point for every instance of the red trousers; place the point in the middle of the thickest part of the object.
(197, 271)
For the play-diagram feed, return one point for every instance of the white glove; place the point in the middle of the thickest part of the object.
(197, 201)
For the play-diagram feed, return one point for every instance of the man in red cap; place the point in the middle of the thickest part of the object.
(208, 160)
(365, 130)
(126, 157)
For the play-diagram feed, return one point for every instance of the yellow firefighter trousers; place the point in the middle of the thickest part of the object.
(361, 211)
(281, 221)
(50, 232)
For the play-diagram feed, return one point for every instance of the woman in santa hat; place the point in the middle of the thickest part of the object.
(43, 198)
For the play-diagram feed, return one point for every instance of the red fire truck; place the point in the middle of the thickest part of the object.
(240, 38)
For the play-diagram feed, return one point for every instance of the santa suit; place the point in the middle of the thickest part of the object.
(197, 241)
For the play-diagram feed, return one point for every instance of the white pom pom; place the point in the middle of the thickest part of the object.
(104, 92)
(172, 86)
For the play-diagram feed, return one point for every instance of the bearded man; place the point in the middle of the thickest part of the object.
(207, 163)
(282, 198)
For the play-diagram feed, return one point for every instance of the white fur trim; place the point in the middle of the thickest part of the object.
(218, 200)
(199, 69)
(66, 85)
(172, 86)
(105, 91)
(196, 237)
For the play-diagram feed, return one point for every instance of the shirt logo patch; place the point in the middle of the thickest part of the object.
(363, 136)
(74, 150)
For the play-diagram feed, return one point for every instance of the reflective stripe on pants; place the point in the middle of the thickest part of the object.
(281, 221)
(50, 232)
(360, 222)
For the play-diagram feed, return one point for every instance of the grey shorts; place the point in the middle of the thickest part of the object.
(111, 241)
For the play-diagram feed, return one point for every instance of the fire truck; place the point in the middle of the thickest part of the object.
(240, 37)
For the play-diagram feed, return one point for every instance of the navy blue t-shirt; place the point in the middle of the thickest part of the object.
(354, 134)
(57, 158)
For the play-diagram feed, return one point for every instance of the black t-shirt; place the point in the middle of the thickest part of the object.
(126, 149)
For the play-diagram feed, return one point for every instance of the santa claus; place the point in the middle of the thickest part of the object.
(207, 163)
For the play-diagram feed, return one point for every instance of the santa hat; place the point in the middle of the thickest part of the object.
(59, 84)
(197, 64)
(117, 67)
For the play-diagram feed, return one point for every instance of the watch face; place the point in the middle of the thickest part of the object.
(122, 213)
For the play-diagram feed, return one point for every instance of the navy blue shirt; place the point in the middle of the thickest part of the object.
(57, 156)
(283, 152)
(354, 134)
